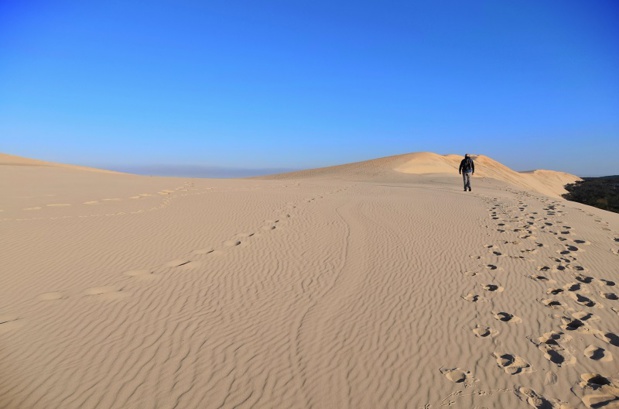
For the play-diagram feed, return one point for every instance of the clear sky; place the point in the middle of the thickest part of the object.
(300, 84)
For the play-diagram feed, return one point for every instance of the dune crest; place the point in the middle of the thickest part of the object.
(13, 160)
(547, 182)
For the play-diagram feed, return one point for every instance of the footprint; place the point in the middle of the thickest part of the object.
(552, 303)
(491, 267)
(572, 287)
(553, 351)
(5, 319)
(484, 332)
(190, 265)
(9, 322)
(551, 378)
(584, 279)
(609, 296)
(232, 243)
(177, 262)
(108, 293)
(608, 282)
(537, 401)
(471, 297)
(506, 317)
(600, 391)
(584, 316)
(554, 291)
(52, 296)
(493, 288)
(608, 337)
(202, 251)
(139, 273)
(512, 364)
(573, 324)
(541, 278)
(597, 354)
(457, 375)
(582, 300)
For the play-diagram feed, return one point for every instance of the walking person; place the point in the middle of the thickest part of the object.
(467, 168)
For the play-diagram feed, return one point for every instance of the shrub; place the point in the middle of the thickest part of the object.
(602, 192)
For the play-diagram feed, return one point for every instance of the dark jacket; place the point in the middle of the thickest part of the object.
(467, 165)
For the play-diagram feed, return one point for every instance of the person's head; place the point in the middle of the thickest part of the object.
(466, 155)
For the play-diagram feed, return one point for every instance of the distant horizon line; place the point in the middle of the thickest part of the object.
(205, 171)
(198, 171)
(209, 171)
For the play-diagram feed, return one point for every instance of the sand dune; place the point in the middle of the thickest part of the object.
(12, 160)
(378, 284)
(547, 182)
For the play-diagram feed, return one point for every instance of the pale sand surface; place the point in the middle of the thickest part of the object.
(356, 286)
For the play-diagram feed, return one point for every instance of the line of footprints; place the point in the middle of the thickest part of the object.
(187, 189)
(191, 259)
(167, 195)
(598, 390)
(164, 192)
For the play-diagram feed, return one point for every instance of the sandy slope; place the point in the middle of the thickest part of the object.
(354, 287)
(548, 182)
(12, 160)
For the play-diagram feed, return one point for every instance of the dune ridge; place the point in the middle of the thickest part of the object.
(357, 286)
(421, 163)
(13, 160)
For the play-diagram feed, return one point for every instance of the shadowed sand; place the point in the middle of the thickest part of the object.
(378, 284)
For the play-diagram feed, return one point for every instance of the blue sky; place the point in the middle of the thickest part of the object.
(300, 84)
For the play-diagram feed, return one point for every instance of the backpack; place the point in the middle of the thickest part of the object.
(467, 166)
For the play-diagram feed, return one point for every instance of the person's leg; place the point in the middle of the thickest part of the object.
(467, 181)
(464, 180)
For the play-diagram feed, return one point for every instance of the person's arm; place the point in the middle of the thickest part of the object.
(460, 168)
(473, 166)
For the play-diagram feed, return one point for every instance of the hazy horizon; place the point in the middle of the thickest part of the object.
(205, 171)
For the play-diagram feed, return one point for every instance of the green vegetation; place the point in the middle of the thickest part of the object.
(600, 192)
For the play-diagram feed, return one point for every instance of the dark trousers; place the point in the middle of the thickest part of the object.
(466, 177)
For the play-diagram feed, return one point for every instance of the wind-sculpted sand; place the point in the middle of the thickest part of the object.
(359, 286)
